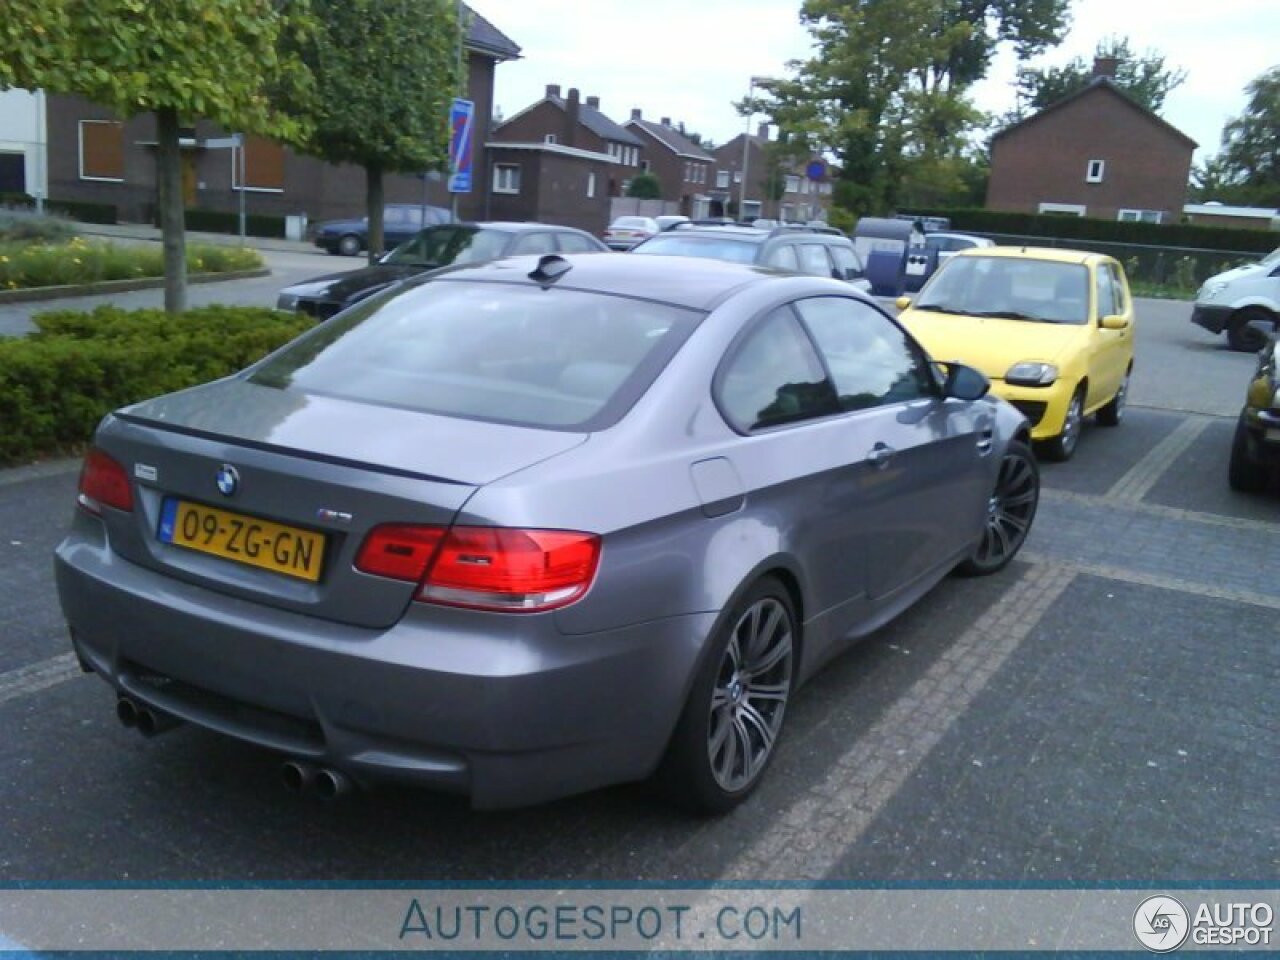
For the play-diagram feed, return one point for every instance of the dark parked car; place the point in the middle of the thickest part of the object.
(533, 526)
(430, 249)
(1255, 451)
(400, 221)
(818, 253)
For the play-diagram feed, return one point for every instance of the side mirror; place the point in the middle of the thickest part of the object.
(964, 383)
(1114, 323)
(902, 303)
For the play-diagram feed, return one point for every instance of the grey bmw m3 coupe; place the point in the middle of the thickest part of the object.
(530, 527)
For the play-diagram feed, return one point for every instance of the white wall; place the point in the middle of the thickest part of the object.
(22, 130)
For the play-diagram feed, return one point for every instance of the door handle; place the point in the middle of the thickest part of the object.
(880, 455)
(985, 439)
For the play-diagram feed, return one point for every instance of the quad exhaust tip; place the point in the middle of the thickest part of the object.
(300, 777)
(137, 716)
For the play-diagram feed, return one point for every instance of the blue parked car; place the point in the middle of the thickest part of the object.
(400, 222)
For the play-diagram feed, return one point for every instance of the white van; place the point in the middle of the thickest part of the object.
(1245, 302)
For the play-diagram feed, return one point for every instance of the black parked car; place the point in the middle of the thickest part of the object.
(817, 252)
(400, 221)
(1255, 452)
(429, 249)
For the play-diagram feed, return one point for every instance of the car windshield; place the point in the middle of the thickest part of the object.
(442, 246)
(509, 353)
(1014, 288)
(1272, 259)
(713, 248)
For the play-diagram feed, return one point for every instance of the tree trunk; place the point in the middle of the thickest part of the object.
(172, 215)
(373, 199)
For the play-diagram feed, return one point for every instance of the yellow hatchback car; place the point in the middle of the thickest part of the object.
(1053, 330)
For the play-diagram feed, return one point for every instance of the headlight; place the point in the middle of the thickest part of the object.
(1031, 373)
(287, 301)
(1211, 290)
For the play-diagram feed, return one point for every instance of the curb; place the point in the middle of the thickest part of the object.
(152, 235)
(41, 470)
(34, 294)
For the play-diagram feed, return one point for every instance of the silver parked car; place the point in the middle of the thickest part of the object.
(530, 527)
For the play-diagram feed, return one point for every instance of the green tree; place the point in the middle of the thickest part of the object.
(178, 59)
(644, 186)
(1250, 157)
(388, 71)
(1144, 77)
(886, 91)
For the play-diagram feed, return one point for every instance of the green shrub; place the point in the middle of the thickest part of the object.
(26, 265)
(60, 381)
(218, 221)
(20, 226)
(84, 211)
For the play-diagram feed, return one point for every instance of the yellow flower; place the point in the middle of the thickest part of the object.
(3, 259)
(75, 260)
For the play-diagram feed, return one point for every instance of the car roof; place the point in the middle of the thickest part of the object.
(1053, 254)
(737, 231)
(510, 226)
(683, 281)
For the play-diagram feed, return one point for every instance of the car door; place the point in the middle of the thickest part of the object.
(1109, 354)
(576, 243)
(921, 479)
(814, 260)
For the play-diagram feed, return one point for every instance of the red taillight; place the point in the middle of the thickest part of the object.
(103, 482)
(486, 568)
(399, 551)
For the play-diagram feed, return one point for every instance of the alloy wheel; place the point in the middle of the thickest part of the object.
(1010, 511)
(750, 694)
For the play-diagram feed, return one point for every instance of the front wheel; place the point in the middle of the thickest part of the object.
(1246, 331)
(1010, 510)
(1245, 473)
(1062, 446)
(730, 725)
(1113, 412)
(349, 246)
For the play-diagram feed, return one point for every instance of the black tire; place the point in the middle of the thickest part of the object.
(1062, 447)
(350, 245)
(695, 773)
(1113, 413)
(1245, 473)
(1243, 331)
(1010, 513)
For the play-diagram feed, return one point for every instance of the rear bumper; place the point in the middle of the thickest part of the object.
(1212, 318)
(504, 709)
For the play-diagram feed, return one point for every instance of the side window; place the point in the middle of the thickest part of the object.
(872, 362)
(1117, 285)
(813, 259)
(1104, 293)
(846, 261)
(774, 376)
(783, 257)
(535, 243)
(572, 243)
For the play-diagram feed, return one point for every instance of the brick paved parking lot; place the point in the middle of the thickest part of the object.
(1104, 710)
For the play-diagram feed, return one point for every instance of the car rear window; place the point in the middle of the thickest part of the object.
(510, 353)
(712, 248)
(640, 222)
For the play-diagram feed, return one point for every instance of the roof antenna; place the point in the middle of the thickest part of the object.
(551, 267)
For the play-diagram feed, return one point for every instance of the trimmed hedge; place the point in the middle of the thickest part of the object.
(217, 221)
(81, 210)
(1108, 231)
(77, 367)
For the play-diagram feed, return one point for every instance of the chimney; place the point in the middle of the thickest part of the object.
(593, 103)
(666, 121)
(572, 117)
(635, 114)
(553, 89)
(1105, 67)
(762, 131)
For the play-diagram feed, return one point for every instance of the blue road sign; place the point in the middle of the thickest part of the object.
(816, 170)
(460, 117)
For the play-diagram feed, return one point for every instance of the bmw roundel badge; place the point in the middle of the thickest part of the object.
(228, 480)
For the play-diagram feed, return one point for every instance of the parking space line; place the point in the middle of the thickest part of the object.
(1144, 475)
(810, 837)
(1122, 575)
(38, 676)
(1160, 510)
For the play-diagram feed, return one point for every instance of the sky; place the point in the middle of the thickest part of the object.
(690, 59)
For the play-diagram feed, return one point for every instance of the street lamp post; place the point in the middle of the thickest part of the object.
(746, 148)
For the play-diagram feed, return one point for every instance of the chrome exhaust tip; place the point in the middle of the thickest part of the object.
(152, 722)
(333, 783)
(127, 712)
(297, 777)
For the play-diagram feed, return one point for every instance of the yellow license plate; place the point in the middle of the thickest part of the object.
(244, 539)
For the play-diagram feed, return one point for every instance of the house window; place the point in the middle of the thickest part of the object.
(1141, 216)
(722, 179)
(644, 165)
(1070, 209)
(792, 184)
(549, 138)
(101, 150)
(737, 176)
(506, 178)
(591, 185)
(263, 166)
(1095, 172)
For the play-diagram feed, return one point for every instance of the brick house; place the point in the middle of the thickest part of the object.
(801, 199)
(1094, 153)
(96, 157)
(682, 167)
